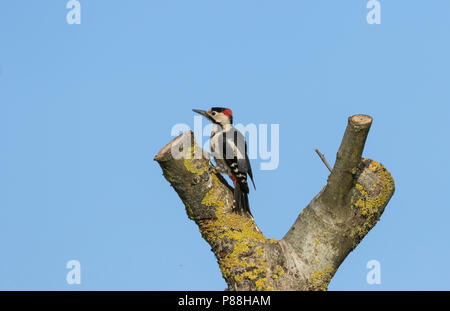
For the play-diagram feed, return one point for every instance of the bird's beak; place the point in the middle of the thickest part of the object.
(203, 113)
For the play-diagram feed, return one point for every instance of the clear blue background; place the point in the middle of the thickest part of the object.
(85, 108)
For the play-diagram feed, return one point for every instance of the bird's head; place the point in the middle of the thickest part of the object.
(217, 115)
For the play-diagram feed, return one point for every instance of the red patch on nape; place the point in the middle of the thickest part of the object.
(228, 112)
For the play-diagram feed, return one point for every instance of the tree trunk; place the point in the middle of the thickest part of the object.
(325, 232)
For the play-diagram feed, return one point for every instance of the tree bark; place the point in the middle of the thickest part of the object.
(324, 233)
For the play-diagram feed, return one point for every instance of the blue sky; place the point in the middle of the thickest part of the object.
(84, 109)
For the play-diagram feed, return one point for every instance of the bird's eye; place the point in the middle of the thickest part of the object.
(213, 113)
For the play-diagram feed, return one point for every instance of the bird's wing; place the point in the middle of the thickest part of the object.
(235, 152)
(250, 173)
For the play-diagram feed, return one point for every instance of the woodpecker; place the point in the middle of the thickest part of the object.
(229, 149)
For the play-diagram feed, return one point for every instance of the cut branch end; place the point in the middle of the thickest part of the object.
(360, 120)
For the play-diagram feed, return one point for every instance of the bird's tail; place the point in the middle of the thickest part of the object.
(241, 203)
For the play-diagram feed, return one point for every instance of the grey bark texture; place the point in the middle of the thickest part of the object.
(325, 232)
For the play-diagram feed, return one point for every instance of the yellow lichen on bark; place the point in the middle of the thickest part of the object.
(320, 279)
(213, 197)
(371, 198)
(194, 165)
(246, 261)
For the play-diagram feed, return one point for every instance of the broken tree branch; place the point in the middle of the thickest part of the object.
(325, 232)
(322, 157)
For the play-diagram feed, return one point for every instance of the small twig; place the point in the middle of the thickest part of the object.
(322, 157)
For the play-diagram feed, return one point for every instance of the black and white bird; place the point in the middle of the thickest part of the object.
(229, 149)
